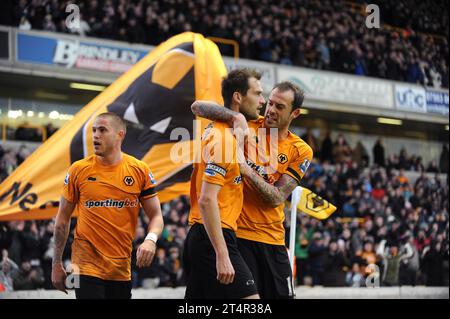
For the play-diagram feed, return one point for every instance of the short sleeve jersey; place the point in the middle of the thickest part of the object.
(218, 165)
(258, 221)
(108, 201)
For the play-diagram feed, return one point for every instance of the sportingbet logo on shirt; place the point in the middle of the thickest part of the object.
(261, 171)
(111, 203)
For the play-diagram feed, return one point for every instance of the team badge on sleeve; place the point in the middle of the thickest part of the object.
(152, 179)
(66, 180)
(304, 166)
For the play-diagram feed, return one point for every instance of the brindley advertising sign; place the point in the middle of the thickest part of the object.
(75, 54)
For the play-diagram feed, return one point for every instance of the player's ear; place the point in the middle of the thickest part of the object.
(295, 113)
(237, 97)
(122, 134)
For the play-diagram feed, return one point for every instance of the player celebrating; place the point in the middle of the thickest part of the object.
(261, 234)
(213, 264)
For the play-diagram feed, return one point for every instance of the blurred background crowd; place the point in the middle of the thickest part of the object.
(412, 46)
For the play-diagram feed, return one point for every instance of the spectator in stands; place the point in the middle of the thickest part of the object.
(403, 159)
(378, 191)
(378, 153)
(46, 248)
(15, 230)
(3, 170)
(341, 151)
(135, 32)
(324, 53)
(355, 278)
(301, 254)
(174, 267)
(391, 259)
(30, 241)
(29, 277)
(162, 266)
(368, 254)
(432, 167)
(326, 151)
(409, 267)
(22, 154)
(360, 155)
(24, 24)
(49, 25)
(335, 265)
(401, 178)
(317, 253)
(8, 271)
(414, 72)
(443, 160)
(417, 164)
(433, 264)
(311, 140)
(9, 162)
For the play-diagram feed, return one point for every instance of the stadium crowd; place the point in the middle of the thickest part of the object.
(383, 218)
(329, 35)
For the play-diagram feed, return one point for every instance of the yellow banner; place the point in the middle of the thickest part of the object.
(154, 98)
(314, 205)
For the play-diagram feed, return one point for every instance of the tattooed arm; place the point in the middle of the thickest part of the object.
(273, 195)
(214, 112)
(60, 237)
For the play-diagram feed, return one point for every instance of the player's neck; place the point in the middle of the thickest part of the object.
(234, 107)
(111, 159)
(282, 133)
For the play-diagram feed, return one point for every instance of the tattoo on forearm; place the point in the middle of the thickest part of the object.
(60, 237)
(269, 193)
(286, 185)
(273, 194)
(215, 112)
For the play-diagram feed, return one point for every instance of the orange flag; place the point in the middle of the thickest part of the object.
(154, 98)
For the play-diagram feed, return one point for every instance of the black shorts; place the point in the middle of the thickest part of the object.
(200, 267)
(270, 267)
(96, 288)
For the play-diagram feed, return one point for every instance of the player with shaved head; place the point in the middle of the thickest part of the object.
(108, 189)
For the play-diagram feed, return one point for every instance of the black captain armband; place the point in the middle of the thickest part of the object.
(296, 176)
(149, 191)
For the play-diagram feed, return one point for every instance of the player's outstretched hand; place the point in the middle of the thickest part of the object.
(59, 276)
(145, 253)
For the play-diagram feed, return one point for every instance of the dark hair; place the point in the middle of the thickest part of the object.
(237, 81)
(116, 118)
(299, 95)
